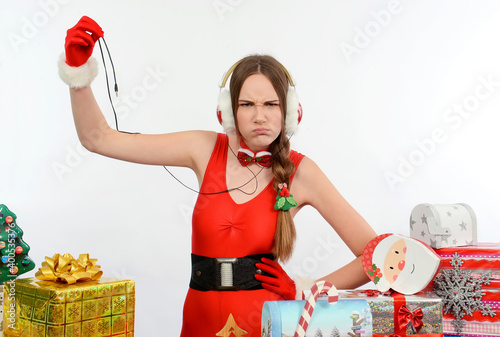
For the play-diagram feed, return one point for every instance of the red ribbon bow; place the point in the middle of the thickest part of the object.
(371, 292)
(405, 316)
(262, 158)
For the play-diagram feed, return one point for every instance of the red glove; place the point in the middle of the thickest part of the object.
(280, 283)
(80, 41)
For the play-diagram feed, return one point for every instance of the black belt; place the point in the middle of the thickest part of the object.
(226, 273)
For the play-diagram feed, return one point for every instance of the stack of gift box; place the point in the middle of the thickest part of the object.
(438, 282)
(68, 297)
(468, 281)
(400, 267)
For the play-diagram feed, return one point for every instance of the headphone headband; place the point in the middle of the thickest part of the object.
(231, 70)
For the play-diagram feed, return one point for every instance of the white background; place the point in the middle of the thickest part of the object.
(377, 80)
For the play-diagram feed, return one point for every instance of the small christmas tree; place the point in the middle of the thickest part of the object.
(335, 332)
(14, 259)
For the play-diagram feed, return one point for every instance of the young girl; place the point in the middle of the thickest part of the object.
(251, 187)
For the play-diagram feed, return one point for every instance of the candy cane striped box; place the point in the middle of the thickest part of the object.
(472, 329)
(477, 259)
(357, 313)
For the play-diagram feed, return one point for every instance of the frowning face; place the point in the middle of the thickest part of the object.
(259, 114)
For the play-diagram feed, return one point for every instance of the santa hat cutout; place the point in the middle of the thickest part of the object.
(397, 262)
(371, 268)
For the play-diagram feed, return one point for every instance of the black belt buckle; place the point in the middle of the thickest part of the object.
(226, 274)
(225, 271)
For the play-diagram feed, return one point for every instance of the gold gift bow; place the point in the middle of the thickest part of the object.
(64, 268)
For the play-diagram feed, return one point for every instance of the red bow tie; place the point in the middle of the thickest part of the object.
(246, 157)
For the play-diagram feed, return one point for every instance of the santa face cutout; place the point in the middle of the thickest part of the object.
(400, 263)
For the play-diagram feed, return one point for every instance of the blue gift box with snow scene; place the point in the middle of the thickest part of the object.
(358, 313)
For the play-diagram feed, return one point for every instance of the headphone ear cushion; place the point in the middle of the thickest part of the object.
(293, 111)
(225, 111)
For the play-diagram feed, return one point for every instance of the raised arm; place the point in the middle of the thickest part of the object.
(189, 149)
(312, 187)
(174, 149)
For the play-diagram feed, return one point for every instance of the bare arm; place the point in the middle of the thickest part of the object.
(189, 149)
(349, 276)
(312, 187)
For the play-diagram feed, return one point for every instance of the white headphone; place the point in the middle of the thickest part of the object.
(225, 109)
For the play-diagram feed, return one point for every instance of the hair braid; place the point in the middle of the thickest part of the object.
(283, 168)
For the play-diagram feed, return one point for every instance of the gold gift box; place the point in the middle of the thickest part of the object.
(100, 308)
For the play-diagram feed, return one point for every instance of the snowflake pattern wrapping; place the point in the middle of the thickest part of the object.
(461, 292)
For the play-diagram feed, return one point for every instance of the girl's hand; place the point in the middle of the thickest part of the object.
(280, 282)
(80, 41)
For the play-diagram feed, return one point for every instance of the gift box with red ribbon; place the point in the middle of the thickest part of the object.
(406, 315)
(469, 285)
(359, 313)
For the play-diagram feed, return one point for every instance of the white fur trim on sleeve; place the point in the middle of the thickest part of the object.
(301, 284)
(77, 77)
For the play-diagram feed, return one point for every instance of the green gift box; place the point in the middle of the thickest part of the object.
(99, 308)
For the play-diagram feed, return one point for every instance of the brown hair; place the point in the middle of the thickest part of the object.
(282, 166)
